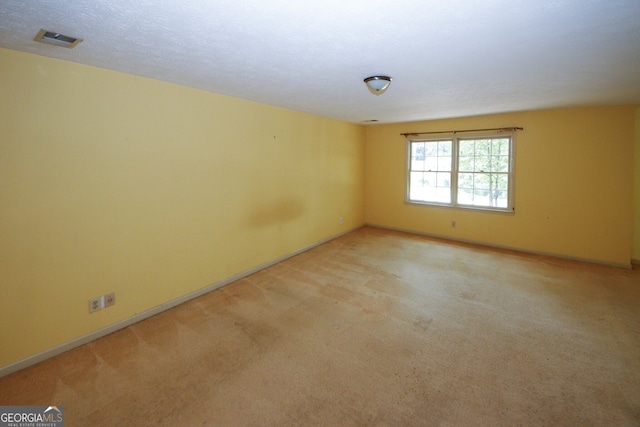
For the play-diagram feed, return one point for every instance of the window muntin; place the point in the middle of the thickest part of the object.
(471, 172)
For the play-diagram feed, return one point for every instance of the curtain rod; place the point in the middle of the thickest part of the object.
(511, 129)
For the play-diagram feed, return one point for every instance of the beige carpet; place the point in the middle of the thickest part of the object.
(374, 328)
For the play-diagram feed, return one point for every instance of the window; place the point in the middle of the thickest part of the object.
(473, 172)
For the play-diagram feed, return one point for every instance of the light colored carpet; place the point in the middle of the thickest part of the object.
(373, 328)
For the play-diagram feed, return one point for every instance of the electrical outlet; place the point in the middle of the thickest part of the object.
(109, 299)
(96, 304)
(340, 220)
(453, 224)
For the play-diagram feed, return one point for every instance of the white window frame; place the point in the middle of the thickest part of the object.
(456, 138)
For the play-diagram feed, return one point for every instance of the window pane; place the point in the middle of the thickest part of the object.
(482, 164)
(500, 163)
(444, 148)
(502, 199)
(503, 182)
(465, 180)
(495, 195)
(430, 179)
(465, 196)
(417, 156)
(431, 164)
(424, 186)
(444, 180)
(444, 163)
(501, 147)
(481, 198)
(430, 149)
(466, 163)
(416, 179)
(483, 147)
(481, 181)
(444, 155)
(443, 195)
(416, 185)
(417, 150)
(467, 148)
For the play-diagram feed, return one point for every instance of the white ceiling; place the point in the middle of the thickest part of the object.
(448, 58)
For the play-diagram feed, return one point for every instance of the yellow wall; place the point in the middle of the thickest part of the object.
(635, 254)
(112, 182)
(573, 184)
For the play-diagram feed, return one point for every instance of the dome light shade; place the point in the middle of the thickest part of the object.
(377, 85)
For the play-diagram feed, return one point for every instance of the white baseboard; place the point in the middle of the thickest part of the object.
(510, 248)
(77, 342)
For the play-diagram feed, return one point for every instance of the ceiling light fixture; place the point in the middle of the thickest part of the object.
(56, 39)
(377, 85)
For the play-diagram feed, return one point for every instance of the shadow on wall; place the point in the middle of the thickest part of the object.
(277, 211)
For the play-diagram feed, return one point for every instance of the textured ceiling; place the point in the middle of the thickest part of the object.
(447, 58)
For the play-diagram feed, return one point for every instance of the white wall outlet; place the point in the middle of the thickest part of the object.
(340, 220)
(96, 304)
(109, 299)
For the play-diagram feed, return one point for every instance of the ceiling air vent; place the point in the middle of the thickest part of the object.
(57, 39)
